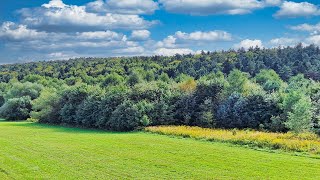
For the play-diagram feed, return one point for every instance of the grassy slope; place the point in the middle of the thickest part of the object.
(30, 151)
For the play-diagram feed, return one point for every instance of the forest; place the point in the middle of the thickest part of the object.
(274, 90)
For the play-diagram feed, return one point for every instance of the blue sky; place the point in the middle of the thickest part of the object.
(62, 29)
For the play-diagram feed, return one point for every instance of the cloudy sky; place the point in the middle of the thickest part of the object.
(62, 29)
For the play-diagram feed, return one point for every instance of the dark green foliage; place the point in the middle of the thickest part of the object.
(229, 113)
(2, 100)
(126, 117)
(254, 111)
(162, 113)
(16, 108)
(70, 100)
(111, 100)
(90, 111)
(134, 78)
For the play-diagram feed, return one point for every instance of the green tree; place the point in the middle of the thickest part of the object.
(126, 117)
(238, 82)
(24, 89)
(269, 80)
(112, 80)
(300, 118)
(46, 107)
(16, 108)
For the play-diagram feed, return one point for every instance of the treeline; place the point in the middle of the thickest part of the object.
(287, 62)
(142, 98)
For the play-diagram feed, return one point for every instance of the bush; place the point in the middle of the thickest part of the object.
(70, 100)
(110, 101)
(126, 117)
(90, 111)
(228, 113)
(46, 108)
(16, 108)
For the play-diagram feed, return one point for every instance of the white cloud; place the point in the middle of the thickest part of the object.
(292, 9)
(138, 50)
(273, 2)
(60, 55)
(207, 7)
(103, 35)
(168, 42)
(248, 43)
(140, 35)
(313, 29)
(284, 42)
(124, 6)
(180, 42)
(54, 4)
(204, 36)
(315, 39)
(60, 17)
(171, 52)
(194, 38)
(12, 31)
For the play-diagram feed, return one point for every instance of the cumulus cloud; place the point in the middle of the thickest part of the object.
(315, 39)
(284, 42)
(123, 6)
(248, 43)
(204, 36)
(15, 32)
(168, 42)
(171, 52)
(194, 38)
(102, 35)
(54, 4)
(140, 35)
(291, 9)
(313, 29)
(138, 50)
(56, 16)
(209, 7)
(273, 2)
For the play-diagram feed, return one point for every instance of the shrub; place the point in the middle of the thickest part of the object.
(46, 108)
(70, 100)
(110, 101)
(90, 111)
(126, 117)
(16, 108)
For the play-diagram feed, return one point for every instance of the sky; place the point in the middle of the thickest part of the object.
(36, 30)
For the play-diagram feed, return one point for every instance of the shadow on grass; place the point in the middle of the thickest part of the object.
(60, 128)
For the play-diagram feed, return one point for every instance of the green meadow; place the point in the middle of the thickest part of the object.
(34, 151)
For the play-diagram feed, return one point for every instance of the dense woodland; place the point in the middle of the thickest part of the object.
(265, 89)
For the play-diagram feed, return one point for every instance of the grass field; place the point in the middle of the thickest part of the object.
(33, 151)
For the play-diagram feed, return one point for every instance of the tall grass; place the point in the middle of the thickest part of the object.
(306, 142)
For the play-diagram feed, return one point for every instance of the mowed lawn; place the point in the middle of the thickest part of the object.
(33, 151)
